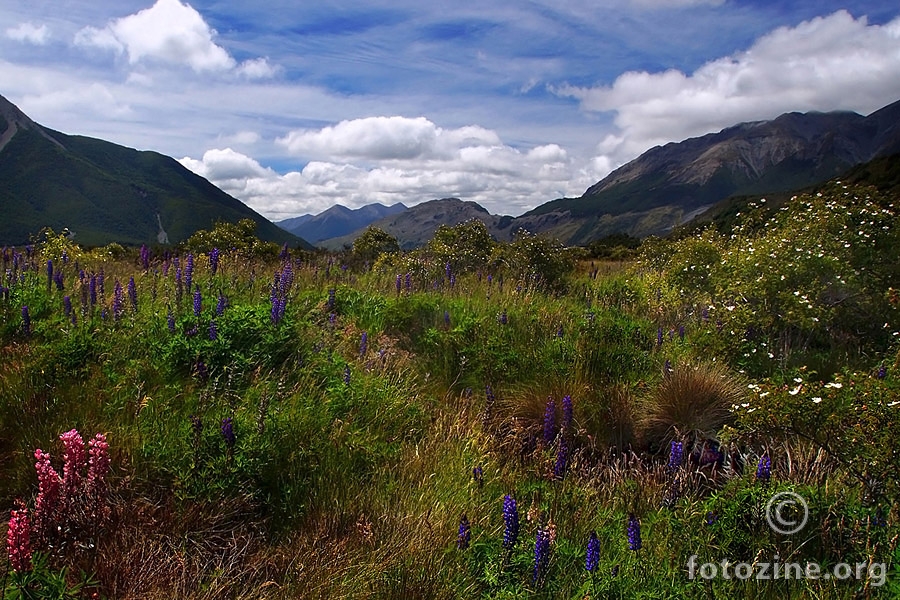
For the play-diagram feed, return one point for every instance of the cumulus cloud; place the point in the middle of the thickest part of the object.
(30, 33)
(827, 63)
(396, 159)
(169, 32)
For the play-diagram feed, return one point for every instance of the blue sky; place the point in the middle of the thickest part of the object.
(295, 106)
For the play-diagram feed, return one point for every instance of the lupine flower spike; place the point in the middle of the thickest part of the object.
(633, 533)
(465, 533)
(510, 522)
(592, 556)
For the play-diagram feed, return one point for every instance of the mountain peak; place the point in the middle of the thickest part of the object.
(13, 120)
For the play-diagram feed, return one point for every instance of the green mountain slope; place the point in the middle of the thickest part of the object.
(104, 192)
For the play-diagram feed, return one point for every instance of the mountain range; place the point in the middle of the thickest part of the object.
(674, 184)
(338, 221)
(103, 192)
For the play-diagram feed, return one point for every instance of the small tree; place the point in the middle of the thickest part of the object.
(373, 243)
(467, 246)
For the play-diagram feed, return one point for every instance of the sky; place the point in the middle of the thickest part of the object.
(294, 106)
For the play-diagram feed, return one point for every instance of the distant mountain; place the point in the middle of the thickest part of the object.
(104, 192)
(670, 184)
(416, 225)
(338, 221)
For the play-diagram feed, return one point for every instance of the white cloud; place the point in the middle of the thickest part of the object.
(827, 63)
(29, 32)
(174, 33)
(256, 68)
(409, 160)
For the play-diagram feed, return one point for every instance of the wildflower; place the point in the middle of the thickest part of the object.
(568, 413)
(560, 332)
(285, 253)
(18, 544)
(92, 286)
(198, 303)
(189, 271)
(49, 274)
(882, 372)
(398, 284)
(408, 282)
(446, 318)
(478, 475)
(227, 429)
(633, 533)
(764, 469)
(46, 505)
(214, 260)
(592, 556)
(145, 257)
(503, 319)
(75, 461)
(659, 337)
(676, 456)
(510, 522)
(118, 302)
(26, 321)
(465, 533)
(220, 305)
(213, 330)
(363, 344)
(712, 517)
(347, 375)
(541, 554)
(170, 321)
(331, 293)
(562, 459)
(549, 421)
(67, 305)
(132, 294)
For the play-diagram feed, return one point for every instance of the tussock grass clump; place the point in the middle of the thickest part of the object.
(691, 403)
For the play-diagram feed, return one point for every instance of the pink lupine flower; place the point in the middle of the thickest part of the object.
(46, 506)
(18, 543)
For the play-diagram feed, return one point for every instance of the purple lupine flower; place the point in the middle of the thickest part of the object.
(213, 330)
(170, 321)
(510, 522)
(49, 274)
(228, 432)
(549, 421)
(560, 332)
(882, 372)
(93, 289)
(633, 533)
(408, 282)
(220, 305)
(490, 279)
(681, 332)
(67, 305)
(145, 257)
(118, 301)
(676, 456)
(592, 556)
(332, 319)
(284, 252)
(214, 260)
(568, 412)
(330, 303)
(712, 517)
(465, 533)
(478, 475)
(541, 554)
(503, 319)
(198, 303)
(562, 459)
(188, 271)
(453, 280)
(58, 280)
(398, 284)
(659, 337)
(447, 318)
(132, 294)
(200, 369)
(347, 375)
(26, 321)
(286, 280)
(363, 344)
(764, 469)
(704, 314)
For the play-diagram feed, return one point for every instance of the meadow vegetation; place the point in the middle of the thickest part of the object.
(471, 419)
